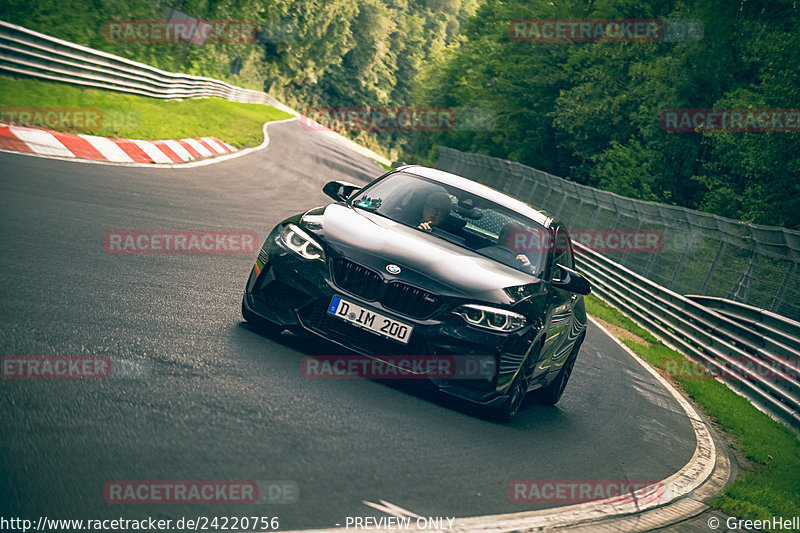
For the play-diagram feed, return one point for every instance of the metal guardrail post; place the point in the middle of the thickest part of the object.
(700, 333)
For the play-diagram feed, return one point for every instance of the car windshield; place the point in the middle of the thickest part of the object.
(460, 217)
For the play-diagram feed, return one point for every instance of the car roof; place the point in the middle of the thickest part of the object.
(484, 191)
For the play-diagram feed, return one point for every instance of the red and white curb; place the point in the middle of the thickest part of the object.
(91, 147)
(185, 153)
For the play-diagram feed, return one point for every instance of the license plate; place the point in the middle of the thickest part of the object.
(370, 320)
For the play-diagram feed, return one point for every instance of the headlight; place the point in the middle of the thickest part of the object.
(300, 243)
(491, 318)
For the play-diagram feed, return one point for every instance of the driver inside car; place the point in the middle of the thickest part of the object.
(504, 251)
(436, 208)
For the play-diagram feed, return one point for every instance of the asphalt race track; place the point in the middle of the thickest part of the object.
(216, 399)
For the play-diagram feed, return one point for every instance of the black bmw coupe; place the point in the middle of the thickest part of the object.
(425, 263)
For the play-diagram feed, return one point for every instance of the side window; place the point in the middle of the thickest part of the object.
(563, 253)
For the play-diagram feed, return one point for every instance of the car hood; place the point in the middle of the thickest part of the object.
(377, 241)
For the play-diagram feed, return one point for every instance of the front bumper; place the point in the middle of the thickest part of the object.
(296, 293)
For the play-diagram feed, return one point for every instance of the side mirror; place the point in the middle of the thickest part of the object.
(571, 281)
(339, 190)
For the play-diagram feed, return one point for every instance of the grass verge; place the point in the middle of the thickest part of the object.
(770, 487)
(139, 117)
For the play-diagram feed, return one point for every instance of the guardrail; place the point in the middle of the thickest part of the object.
(749, 362)
(775, 327)
(30, 53)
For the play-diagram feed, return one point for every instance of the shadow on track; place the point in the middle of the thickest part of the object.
(532, 413)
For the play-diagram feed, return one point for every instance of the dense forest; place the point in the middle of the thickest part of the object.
(587, 111)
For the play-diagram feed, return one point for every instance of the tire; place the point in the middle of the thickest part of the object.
(510, 407)
(550, 394)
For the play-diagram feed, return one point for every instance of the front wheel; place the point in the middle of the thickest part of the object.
(510, 407)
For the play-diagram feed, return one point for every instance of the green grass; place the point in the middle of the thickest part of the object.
(139, 117)
(771, 485)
